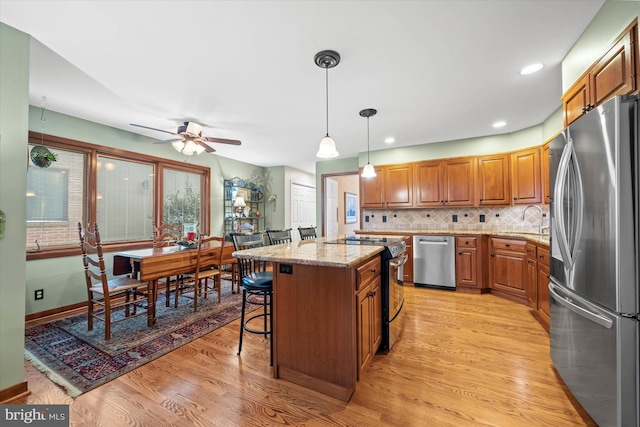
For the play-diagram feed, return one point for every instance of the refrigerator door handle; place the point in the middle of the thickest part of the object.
(594, 317)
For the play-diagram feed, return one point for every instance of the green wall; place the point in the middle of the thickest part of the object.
(14, 101)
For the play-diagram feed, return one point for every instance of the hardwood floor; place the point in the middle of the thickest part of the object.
(462, 360)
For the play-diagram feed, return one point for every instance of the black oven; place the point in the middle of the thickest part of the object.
(393, 259)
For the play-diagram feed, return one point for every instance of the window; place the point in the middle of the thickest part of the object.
(55, 198)
(182, 198)
(115, 188)
(124, 202)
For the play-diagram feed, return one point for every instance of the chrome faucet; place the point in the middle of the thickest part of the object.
(540, 212)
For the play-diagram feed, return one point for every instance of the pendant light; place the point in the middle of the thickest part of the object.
(368, 171)
(327, 59)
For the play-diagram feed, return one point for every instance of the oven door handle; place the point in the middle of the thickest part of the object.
(403, 261)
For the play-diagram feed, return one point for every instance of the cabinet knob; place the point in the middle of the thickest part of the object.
(515, 198)
(459, 253)
(373, 271)
(466, 242)
(541, 256)
(493, 254)
(506, 244)
(481, 200)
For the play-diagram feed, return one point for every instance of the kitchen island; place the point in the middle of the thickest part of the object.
(325, 312)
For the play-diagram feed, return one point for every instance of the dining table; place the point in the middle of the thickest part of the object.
(151, 264)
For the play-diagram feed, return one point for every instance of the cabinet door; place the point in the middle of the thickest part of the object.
(466, 267)
(493, 180)
(364, 326)
(532, 283)
(613, 74)
(544, 161)
(398, 186)
(376, 315)
(407, 271)
(576, 101)
(543, 291)
(525, 175)
(428, 189)
(459, 182)
(371, 190)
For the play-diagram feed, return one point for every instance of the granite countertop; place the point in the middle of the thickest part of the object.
(314, 252)
(542, 239)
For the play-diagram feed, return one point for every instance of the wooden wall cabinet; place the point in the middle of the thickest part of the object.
(546, 179)
(508, 268)
(448, 182)
(525, 176)
(494, 186)
(470, 272)
(613, 74)
(368, 312)
(392, 187)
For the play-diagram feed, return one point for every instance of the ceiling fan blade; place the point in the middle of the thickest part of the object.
(207, 147)
(164, 141)
(222, 140)
(150, 128)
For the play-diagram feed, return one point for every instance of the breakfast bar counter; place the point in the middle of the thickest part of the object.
(320, 327)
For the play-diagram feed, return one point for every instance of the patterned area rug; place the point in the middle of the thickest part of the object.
(79, 360)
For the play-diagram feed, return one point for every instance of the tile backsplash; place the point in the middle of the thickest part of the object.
(503, 218)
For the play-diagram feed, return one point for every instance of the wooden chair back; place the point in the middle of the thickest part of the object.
(277, 237)
(249, 241)
(92, 258)
(210, 254)
(307, 233)
(165, 234)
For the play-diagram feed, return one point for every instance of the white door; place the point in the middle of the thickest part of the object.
(331, 207)
(303, 208)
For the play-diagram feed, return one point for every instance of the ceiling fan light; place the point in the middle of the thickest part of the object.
(368, 171)
(178, 145)
(189, 148)
(327, 148)
(199, 149)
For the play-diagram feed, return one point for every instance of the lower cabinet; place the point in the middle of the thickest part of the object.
(532, 275)
(508, 268)
(469, 263)
(543, 285)
(368, 312)
(407, 272)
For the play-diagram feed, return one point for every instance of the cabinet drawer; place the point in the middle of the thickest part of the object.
(509, 244)
(466, 242)
(543, 256)
(531, 251)
(367, 272)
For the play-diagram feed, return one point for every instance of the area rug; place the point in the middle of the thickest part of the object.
(79, 360)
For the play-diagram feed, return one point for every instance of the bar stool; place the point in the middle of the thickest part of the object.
(277, 237)
(257, 285)
(307, 233)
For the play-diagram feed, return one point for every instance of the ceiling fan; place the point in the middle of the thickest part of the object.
(188, 139)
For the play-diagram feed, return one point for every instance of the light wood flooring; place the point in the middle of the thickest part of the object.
(462, 360)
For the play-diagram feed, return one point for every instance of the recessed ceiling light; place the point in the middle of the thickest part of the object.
(390, 140)
(499, 124)
(530, 69)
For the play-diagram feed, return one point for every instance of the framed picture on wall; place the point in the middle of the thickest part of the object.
(350, 208)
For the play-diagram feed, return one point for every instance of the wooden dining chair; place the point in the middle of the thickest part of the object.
(210, 255)
(166, 235)
(307, 233)
(257, 285)
(106, 296)
(229, 260)
(277, 237)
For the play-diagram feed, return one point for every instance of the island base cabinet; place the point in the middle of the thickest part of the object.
(315, 326)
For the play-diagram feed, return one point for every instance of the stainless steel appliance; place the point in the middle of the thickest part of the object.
(595, 245)
(434, 262)
(392, 287)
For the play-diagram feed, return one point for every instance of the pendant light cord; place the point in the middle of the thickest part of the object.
(367, 140)
(326, 69)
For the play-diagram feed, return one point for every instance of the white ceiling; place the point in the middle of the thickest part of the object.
(434, 70)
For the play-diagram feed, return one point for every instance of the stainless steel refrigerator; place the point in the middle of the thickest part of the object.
(595, 247)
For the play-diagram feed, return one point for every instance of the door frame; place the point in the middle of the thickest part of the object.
(322, 196)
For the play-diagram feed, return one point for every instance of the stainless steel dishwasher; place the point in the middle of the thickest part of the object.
(434, 263)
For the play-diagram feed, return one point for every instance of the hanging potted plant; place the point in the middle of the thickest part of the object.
(42, 157)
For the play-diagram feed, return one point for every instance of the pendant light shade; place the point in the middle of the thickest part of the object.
(327, 59)
(368, 171)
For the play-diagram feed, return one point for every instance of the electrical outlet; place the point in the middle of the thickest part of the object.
(481, 217)
(384, 218)
(38, 294)
(454, 218)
